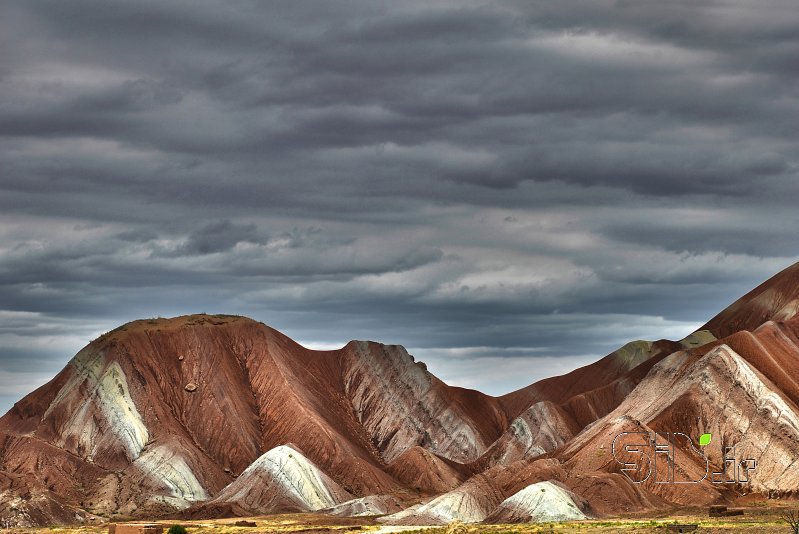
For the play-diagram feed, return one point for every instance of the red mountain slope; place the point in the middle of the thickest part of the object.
(163, 414)
(775, 299)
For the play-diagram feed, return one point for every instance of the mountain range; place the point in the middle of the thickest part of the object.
(213, 416)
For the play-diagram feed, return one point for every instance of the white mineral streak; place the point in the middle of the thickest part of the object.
(105, 388)
(740, 404)
(542, 501)
(523, 434)
(539, 429)
(787, 311)
(772, 299)
(295, 475)
(720, 373)
(767, 400)
(171, 470)
(767, 299)
(396, 402)
(454, 505)
(365, 506)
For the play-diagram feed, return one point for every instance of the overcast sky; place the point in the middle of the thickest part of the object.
(510, 190)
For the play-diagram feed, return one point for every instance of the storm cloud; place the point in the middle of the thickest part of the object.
(510, 189)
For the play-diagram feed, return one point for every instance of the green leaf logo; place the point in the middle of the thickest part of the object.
(704, 439)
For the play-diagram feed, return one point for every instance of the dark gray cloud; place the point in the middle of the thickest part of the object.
(218, 237)
(512, 185)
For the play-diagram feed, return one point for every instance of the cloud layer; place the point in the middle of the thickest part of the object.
(501, 186)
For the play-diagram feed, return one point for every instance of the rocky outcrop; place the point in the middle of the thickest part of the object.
(25, 503)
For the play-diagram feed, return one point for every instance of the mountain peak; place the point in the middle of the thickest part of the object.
(173, 323)
(775, 299)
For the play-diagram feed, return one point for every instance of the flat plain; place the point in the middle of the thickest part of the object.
(759, 517)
